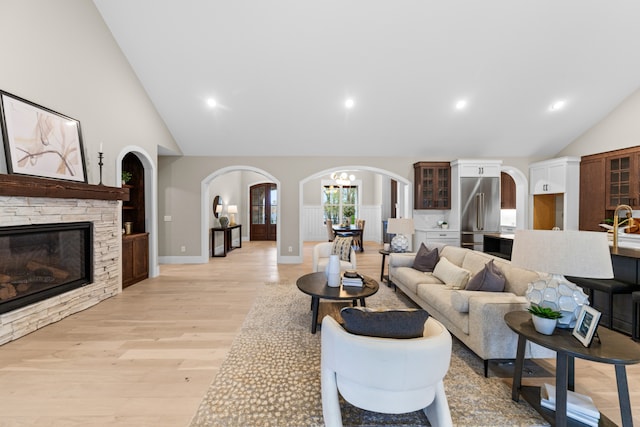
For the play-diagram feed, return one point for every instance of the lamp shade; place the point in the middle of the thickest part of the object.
(232, 209)
(400, 226)
(219, 209)
(568, 252)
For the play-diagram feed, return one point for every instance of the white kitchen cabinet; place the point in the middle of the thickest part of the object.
(554, 187)
(479, 168)
(551, 176)
(448, 237)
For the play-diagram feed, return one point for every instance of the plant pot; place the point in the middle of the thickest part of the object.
(544, 326)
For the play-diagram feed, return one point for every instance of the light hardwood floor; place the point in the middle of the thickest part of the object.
(147, 356)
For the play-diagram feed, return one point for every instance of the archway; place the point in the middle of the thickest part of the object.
(405, 186)
(206, 204)
(522, 195)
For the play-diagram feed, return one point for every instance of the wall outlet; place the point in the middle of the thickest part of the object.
(290, 248)
(183, 248)
(167, 218)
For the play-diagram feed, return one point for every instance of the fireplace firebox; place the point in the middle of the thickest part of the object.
(38, 262)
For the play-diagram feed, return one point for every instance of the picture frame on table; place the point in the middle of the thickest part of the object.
(41, 142)
(586, 325)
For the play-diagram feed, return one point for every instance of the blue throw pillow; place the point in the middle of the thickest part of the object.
(384, 324)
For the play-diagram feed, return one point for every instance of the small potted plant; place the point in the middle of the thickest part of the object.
(544, 318)
(126, 177)
(444, 224)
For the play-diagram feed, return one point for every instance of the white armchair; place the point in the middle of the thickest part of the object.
(321, 253)
(391, 376)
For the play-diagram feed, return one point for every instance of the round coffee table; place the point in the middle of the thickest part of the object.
(315, 284)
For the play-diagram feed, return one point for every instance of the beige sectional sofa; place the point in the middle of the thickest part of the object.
(475, 317)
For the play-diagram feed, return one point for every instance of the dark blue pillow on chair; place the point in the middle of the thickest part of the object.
(385, 323)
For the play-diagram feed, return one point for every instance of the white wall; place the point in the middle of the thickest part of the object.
(61, 55)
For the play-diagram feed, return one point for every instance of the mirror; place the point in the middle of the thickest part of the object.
(216, 202)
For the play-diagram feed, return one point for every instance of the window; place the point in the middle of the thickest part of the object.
(340, 202)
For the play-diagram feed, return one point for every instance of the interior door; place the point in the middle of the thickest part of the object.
(264, 203)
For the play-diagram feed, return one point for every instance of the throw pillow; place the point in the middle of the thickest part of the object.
(489, 279)
(384, 323)
(342, 247)
(450, 274)
(425, 259)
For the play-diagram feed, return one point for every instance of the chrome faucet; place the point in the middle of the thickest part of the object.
(617, 223)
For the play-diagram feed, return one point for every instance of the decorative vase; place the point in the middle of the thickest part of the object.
(558, 293)
(333, 271)
(224, 221)
(543, 325)
(128, 227)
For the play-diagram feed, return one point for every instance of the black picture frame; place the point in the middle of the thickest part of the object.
(586, 325)
(41, 142)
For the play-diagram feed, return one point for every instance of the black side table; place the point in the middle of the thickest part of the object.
(614, 348)
(383, 277)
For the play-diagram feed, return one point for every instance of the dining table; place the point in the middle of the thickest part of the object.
(349, 230)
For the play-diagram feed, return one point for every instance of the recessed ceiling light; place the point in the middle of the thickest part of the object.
(461, 104)
(349, 103)
(558, 105)
(211, 103)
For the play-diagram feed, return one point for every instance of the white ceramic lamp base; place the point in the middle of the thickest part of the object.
(400, 243)
(559, 294)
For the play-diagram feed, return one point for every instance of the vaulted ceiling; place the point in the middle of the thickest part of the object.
(281, 71)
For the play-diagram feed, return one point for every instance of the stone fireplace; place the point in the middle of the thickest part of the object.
(48, 202)
(40, 261)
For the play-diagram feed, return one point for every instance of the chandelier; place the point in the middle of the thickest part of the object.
(342, 178)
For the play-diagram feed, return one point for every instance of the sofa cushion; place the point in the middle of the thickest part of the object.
(455, 254)
(342, 247)
(517, 279)
(450, 274)
(489, 279)
(425, 259)
(411, 278)
(475, 261)
(384, 323)
(439, 297)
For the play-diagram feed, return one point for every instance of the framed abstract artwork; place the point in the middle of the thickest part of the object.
(40, 142)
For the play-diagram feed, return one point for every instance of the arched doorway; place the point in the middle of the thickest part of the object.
(263, 208)
(206, 200)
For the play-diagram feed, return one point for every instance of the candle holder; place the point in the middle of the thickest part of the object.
(100, 156)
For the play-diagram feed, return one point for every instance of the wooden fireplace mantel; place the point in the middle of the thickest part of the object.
(29, 186)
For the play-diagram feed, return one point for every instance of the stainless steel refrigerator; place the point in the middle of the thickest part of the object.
(480, 210)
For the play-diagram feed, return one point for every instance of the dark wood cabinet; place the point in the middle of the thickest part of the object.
(135, 258)
(607, 180)
(135, 246)
(622, 177)
(432, 185)
(507, 191)
(592, 192)
(133, 210)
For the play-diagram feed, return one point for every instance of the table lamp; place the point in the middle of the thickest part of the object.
(232, 210)
(400, 227)
(560, 253)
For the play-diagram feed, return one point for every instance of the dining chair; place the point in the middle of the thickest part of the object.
(358, 237)
(330, 233)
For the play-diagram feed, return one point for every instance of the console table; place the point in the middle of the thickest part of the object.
(614, 348)
(227, 245)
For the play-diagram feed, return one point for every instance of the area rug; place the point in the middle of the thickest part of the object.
(271, 376)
